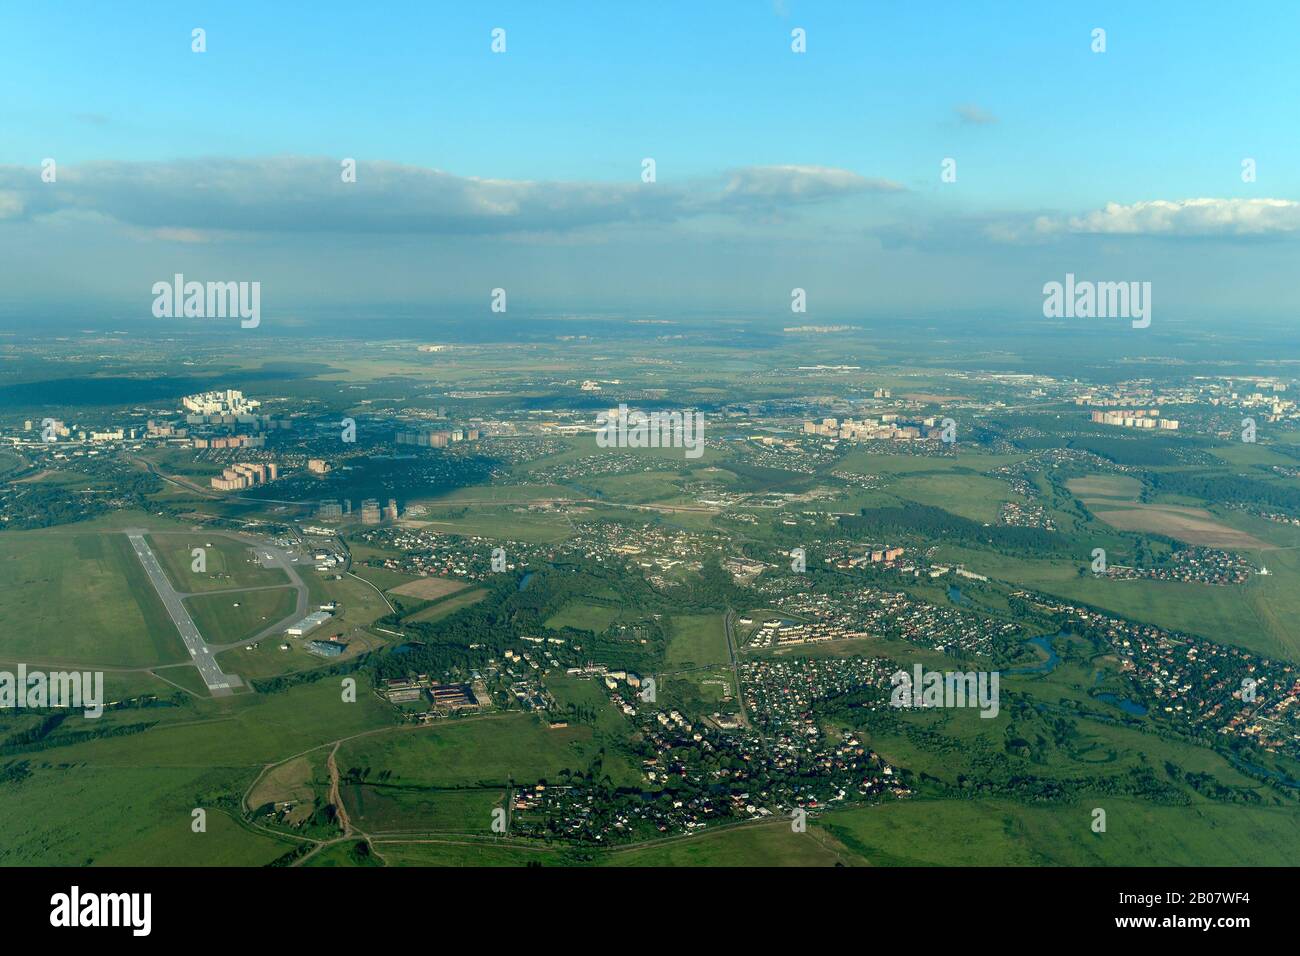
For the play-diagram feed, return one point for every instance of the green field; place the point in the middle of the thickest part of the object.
(501, 524)
(229, 563)
(237, 616)
(697, 639)
(81, 599)
(125, 816)
(379, 809)
(447, 606)
(583, 616)
(1260, 615)
(476, 752)
(1001, 833)
(766, 844)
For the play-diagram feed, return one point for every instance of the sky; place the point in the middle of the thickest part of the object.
(774, 169)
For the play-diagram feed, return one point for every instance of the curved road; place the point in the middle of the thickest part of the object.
(219, 684)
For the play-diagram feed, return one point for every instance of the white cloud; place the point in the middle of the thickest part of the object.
(186, 200)
(802, 183)
(1185, 217)
(975, 115)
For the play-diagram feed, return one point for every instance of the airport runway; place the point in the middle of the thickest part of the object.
(219, 684)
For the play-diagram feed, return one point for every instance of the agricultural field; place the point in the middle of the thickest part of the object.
(429, 589)
(1193, 525)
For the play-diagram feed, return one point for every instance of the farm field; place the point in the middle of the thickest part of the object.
(1193, 525)
(1216, 612)
(88, 814)
(1105, 486)
(429, 589)
(391, 810)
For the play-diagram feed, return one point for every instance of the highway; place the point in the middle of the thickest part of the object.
(219, 684)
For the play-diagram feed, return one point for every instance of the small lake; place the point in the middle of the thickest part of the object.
(1044, 643)
(1123, 703)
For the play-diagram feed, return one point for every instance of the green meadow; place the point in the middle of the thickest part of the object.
(74, 598)
(697, 639)
(482, 752)
(238, 615)
(229, 563)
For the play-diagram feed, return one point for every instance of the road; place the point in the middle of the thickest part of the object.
(270, 557)
(219, 684)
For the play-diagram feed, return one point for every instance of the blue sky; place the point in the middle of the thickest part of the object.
(1044, 131)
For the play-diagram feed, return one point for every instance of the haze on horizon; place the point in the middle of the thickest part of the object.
(774, 169)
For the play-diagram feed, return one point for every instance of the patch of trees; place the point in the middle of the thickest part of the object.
(927, 521)
(1225, 488)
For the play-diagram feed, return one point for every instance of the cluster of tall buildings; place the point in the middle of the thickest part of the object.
(155, 429)
(436, 437)
(230, 441)
(333, 511)
(371, 512)
(245, 475)
(889, 427)
(229, 401)
(1140, 418)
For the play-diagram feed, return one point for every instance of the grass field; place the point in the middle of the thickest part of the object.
(81, 598)
(449, 852)
(765, 844)
(230, 563)
(293, 781)
(85, 813)
(968, 494)
(382, 578)
(1260, 615)
(451, 605)
(223, 618)
(245, 732)
(697, 639)
(480, 752)
(388, 810)
(502, 524)
(429, 589)
(1193, 525)
(583, 616)
(1001, 833)
(1105, 486)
